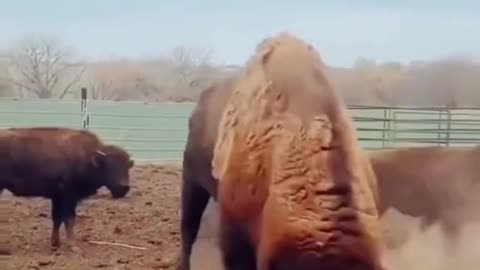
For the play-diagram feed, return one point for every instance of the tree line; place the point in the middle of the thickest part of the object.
(38, 66)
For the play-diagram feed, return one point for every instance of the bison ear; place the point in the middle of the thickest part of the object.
(98, 158)
(131, 163)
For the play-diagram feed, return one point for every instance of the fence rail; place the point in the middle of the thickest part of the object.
(158, 131)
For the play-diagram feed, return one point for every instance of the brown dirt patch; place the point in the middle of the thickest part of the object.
(149, 218)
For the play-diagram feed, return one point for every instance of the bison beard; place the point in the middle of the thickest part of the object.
(294, 188)
(64, 165)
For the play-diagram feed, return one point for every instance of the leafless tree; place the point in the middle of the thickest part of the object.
(4, 85)
(4, 88)
(192, 70)
(188, 61)
(44, 67)
(119, 81)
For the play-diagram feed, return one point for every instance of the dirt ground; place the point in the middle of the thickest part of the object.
(148, 218)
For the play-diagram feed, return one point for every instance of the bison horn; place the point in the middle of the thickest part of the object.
(101, 153)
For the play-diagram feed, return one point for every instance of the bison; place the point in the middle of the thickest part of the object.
(435, 184)
(295, 189)
(61, 164)
(198, 184)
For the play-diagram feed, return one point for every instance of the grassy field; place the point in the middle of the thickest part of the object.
(158, 130)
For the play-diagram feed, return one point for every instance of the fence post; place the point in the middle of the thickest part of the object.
(439, 126)
(84, 111)
(385, 125)
(393, 130)
(449, 124)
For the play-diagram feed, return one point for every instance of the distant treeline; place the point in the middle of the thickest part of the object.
(43, 67)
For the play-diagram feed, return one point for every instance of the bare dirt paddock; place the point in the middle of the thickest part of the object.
(148, 218)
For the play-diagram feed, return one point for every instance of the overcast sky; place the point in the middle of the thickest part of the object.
(341, 30)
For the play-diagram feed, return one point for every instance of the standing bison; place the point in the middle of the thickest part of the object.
(64, 165)
(436, 184)
(295, 190)
(198, 184)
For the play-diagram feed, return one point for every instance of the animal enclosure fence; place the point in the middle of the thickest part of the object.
(158, 131)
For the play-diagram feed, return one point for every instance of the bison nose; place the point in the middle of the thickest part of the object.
(120, 191)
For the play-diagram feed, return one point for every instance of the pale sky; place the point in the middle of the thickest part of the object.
(340, 30)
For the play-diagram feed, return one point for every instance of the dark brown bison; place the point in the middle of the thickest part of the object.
(295, 190)
(64, 165)
(436, 184)
(198, 184)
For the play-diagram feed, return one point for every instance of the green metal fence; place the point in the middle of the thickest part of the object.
(390, 127)
(158, 131)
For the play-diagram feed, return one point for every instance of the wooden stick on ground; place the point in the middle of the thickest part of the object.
(117, 244)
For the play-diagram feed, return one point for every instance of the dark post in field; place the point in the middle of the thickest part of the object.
(83, 108)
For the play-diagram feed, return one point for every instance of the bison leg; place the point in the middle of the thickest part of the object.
(69, 219)
(63, 211)
(194, 202)
(57, 218)
(426, 223)
(236, 249)
(451, 231)
(452, 234)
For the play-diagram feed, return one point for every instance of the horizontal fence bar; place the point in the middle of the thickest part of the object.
(428, 120)
(146, 116)
(39, 113)
(418, 108)
(153, 150)
(142, 140)
(423, 130)
(139, 128)
(158, 131)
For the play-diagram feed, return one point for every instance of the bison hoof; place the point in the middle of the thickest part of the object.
(181, 264)
(5, 251)
(73, 248)
(54, 249)
(55, 244)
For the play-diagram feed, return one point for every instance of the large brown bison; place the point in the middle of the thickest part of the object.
(64, 165)
(436, 184)
(198, 184)
(295, 190)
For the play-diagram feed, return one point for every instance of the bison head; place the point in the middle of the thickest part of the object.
(113, 165)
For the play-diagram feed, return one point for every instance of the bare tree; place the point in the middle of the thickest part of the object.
(4, 88)
(380, 79)
(4, 84)
(120, 81)
(44, 67)
(187, 61)
(191, 71)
